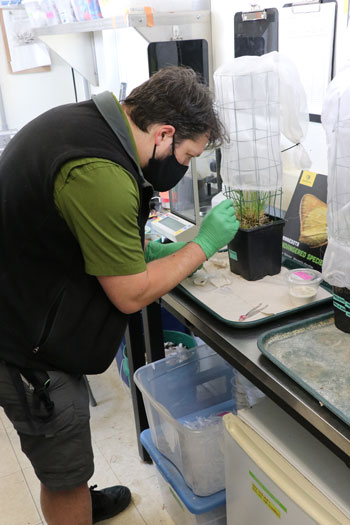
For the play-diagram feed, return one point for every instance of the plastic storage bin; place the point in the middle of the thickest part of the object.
(185, 397)
(184, 507)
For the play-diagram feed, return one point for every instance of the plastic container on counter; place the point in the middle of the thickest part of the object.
(303, 284)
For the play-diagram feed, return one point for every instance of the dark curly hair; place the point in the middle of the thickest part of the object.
(175, 95)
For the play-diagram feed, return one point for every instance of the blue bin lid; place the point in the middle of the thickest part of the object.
(195, 504)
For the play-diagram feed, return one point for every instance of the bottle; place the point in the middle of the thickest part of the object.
(164, 195)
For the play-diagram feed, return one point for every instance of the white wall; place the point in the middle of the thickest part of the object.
(223, 50)
(223, 20)
(125, 50)
(115, 64)
(121, 57)
(26, 95)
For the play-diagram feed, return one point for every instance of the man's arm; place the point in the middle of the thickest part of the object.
(130, 293)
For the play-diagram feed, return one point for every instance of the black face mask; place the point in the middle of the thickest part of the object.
(164, 174)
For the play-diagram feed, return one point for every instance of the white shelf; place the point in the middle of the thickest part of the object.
(100, 24)
(120, 22)
(75, 43)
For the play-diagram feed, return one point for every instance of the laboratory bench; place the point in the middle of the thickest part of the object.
(238, 346)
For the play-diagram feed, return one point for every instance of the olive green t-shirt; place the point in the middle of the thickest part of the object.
(99, 200)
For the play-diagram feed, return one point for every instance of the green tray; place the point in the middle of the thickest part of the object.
(288, 263)
(316, 355)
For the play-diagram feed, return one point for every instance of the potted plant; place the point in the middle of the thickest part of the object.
(341, 305)
(253, 93)
(336, 263)
(256, 250)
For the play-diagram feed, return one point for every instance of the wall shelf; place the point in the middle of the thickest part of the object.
(76, 43)
(120, 22)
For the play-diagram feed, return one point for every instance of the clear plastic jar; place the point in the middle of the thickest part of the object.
(303, 284)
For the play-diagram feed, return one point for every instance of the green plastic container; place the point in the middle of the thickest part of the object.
(179, 337)
(168, 335)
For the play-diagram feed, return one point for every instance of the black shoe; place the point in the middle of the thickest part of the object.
(108, 502)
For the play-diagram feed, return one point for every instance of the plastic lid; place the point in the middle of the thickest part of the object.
(304, 276)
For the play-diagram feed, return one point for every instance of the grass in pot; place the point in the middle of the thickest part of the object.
(256, 250)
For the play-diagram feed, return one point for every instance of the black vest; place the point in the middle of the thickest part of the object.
(52, 314)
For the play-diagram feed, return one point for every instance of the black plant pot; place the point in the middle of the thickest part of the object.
(341, 304)
(256, 252)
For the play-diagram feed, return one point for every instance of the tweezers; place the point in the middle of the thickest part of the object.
(253, 311)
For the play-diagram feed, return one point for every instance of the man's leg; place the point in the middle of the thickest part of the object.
(60, 449)
(65, 507)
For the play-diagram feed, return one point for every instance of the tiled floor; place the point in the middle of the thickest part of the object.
(116, 462)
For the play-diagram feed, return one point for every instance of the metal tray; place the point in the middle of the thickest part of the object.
(288, 263)
(316, 355)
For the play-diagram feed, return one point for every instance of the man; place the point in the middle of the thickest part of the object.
(75, 185)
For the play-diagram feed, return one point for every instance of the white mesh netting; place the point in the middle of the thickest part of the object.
(258, 97)
(336, 122)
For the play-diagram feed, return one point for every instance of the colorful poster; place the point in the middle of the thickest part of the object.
(305, 232)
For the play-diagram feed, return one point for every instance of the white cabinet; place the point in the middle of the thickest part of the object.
(277, 472)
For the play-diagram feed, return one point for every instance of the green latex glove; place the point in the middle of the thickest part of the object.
(218, 228)
(156, 250)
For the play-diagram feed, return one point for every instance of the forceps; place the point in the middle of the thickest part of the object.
(253, 311)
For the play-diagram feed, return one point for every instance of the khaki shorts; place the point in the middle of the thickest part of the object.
(60, 448)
